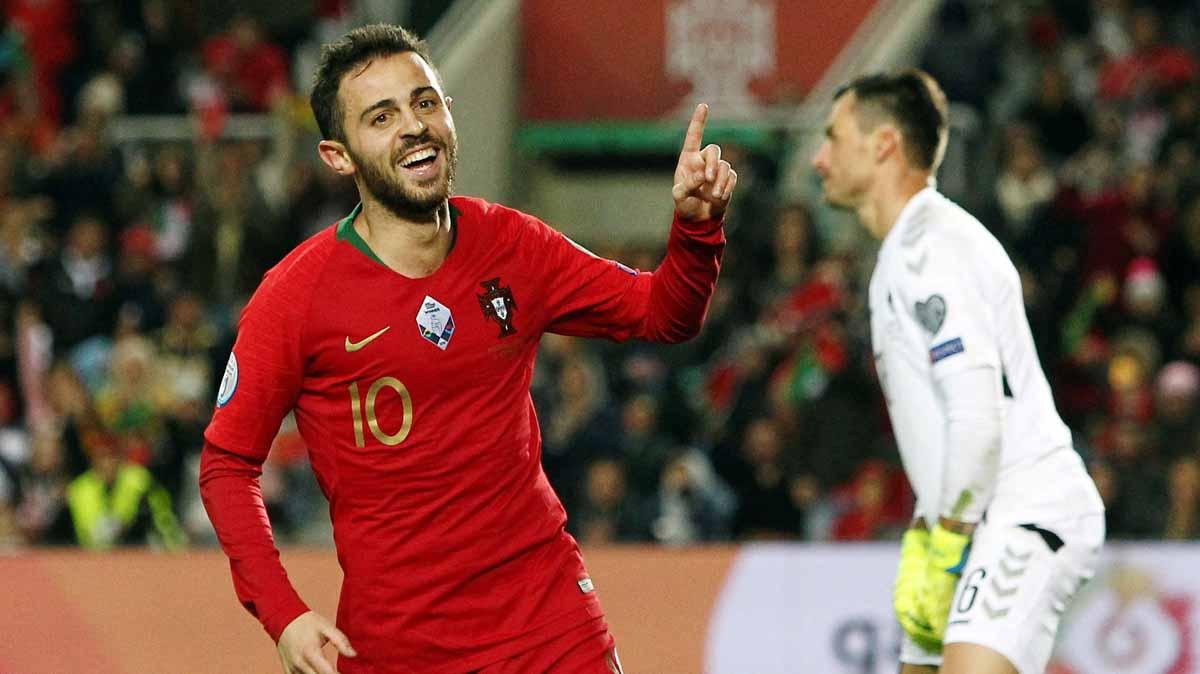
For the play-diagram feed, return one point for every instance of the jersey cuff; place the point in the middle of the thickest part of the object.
(709, 231)
(292, 607)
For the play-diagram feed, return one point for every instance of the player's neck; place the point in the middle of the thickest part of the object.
(412, 248)
(882, 207)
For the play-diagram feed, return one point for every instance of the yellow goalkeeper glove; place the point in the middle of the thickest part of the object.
(914, 559)
(947, 556)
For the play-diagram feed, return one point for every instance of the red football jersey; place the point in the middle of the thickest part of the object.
(412, 396)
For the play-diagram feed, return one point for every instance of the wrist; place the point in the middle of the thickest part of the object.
(696, 225)
(956, 526)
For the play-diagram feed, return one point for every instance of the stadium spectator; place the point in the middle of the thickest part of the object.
(1056, 118)
(692, 505)
(117, 502)
(1137, 498)
(1026, 184)
(41, 513)
(1151, 66)
(766, 506)
(1177, 410)
(875, 507)
(1183, 515)
(251, 71)
(609, 512)
(74, 290)
(644, 450)
(581, 427)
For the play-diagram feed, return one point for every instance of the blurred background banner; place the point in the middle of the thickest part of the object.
(827, 608)
(585, 62)
(756, 609)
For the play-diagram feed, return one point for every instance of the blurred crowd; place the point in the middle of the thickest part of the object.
(123, 268)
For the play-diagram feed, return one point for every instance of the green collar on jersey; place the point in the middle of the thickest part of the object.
(347, 233)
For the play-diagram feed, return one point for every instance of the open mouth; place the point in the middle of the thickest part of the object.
(421, 162)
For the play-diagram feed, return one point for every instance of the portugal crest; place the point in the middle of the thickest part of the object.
(498, 305)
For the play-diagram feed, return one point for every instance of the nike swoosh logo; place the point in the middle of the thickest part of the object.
(351, 347)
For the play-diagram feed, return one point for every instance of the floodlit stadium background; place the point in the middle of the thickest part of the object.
(738, 498)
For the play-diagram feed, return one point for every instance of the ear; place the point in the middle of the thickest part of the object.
(448, 102)
(885, 142)
(335, 156)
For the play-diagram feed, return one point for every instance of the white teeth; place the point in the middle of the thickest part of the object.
(427, 153)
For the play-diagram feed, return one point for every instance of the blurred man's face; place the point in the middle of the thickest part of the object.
(87, 237)
(844, 161)
(605, 484)
(762, 444)
(399, 133)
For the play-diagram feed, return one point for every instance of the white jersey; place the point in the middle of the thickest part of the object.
(944, 298)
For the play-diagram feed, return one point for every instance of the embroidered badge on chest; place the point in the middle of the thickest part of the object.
(435, 322)
(498, 305)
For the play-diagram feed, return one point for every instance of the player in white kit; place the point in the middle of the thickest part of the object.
(1008, 524)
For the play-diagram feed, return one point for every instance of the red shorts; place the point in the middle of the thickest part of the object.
(587, 649)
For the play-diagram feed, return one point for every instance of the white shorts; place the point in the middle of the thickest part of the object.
(1015, 587)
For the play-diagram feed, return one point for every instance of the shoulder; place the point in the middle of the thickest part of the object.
(502, 222)
(947, 240)
(304, 259)
(294, 277)
(303, 266)
(474, 209)
(82, 483)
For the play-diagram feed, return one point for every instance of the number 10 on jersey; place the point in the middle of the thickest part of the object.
(357, 405)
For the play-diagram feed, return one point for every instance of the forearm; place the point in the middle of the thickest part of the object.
(683, 284)
(974, 426)
(230, 490)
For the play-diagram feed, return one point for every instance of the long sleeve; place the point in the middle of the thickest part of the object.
(230, 490)
(683, 284)
(594, 297)
(974, 426)
(261, 384)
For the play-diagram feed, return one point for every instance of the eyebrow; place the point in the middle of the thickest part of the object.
(391, 102)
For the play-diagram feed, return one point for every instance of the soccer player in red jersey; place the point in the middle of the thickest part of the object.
(404, 337)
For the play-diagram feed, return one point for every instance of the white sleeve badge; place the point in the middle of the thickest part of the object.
(229, 382)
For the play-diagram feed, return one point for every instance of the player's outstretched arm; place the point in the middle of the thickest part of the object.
(592, 297)
(704, 182)
(301, 643)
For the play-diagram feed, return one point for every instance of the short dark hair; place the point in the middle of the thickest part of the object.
(338, 58)
(914, 101)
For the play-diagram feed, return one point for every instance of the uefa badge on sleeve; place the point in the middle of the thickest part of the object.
(435, 322)
(229, 382)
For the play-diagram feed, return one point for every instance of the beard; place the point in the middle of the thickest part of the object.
(397, 194)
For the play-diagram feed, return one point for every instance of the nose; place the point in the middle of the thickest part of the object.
(412, 124)
(820, 160)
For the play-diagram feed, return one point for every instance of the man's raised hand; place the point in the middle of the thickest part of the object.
(703, 181)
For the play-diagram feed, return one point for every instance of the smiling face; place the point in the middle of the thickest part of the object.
(400, 137)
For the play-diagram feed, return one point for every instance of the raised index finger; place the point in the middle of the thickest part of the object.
(695, 130)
